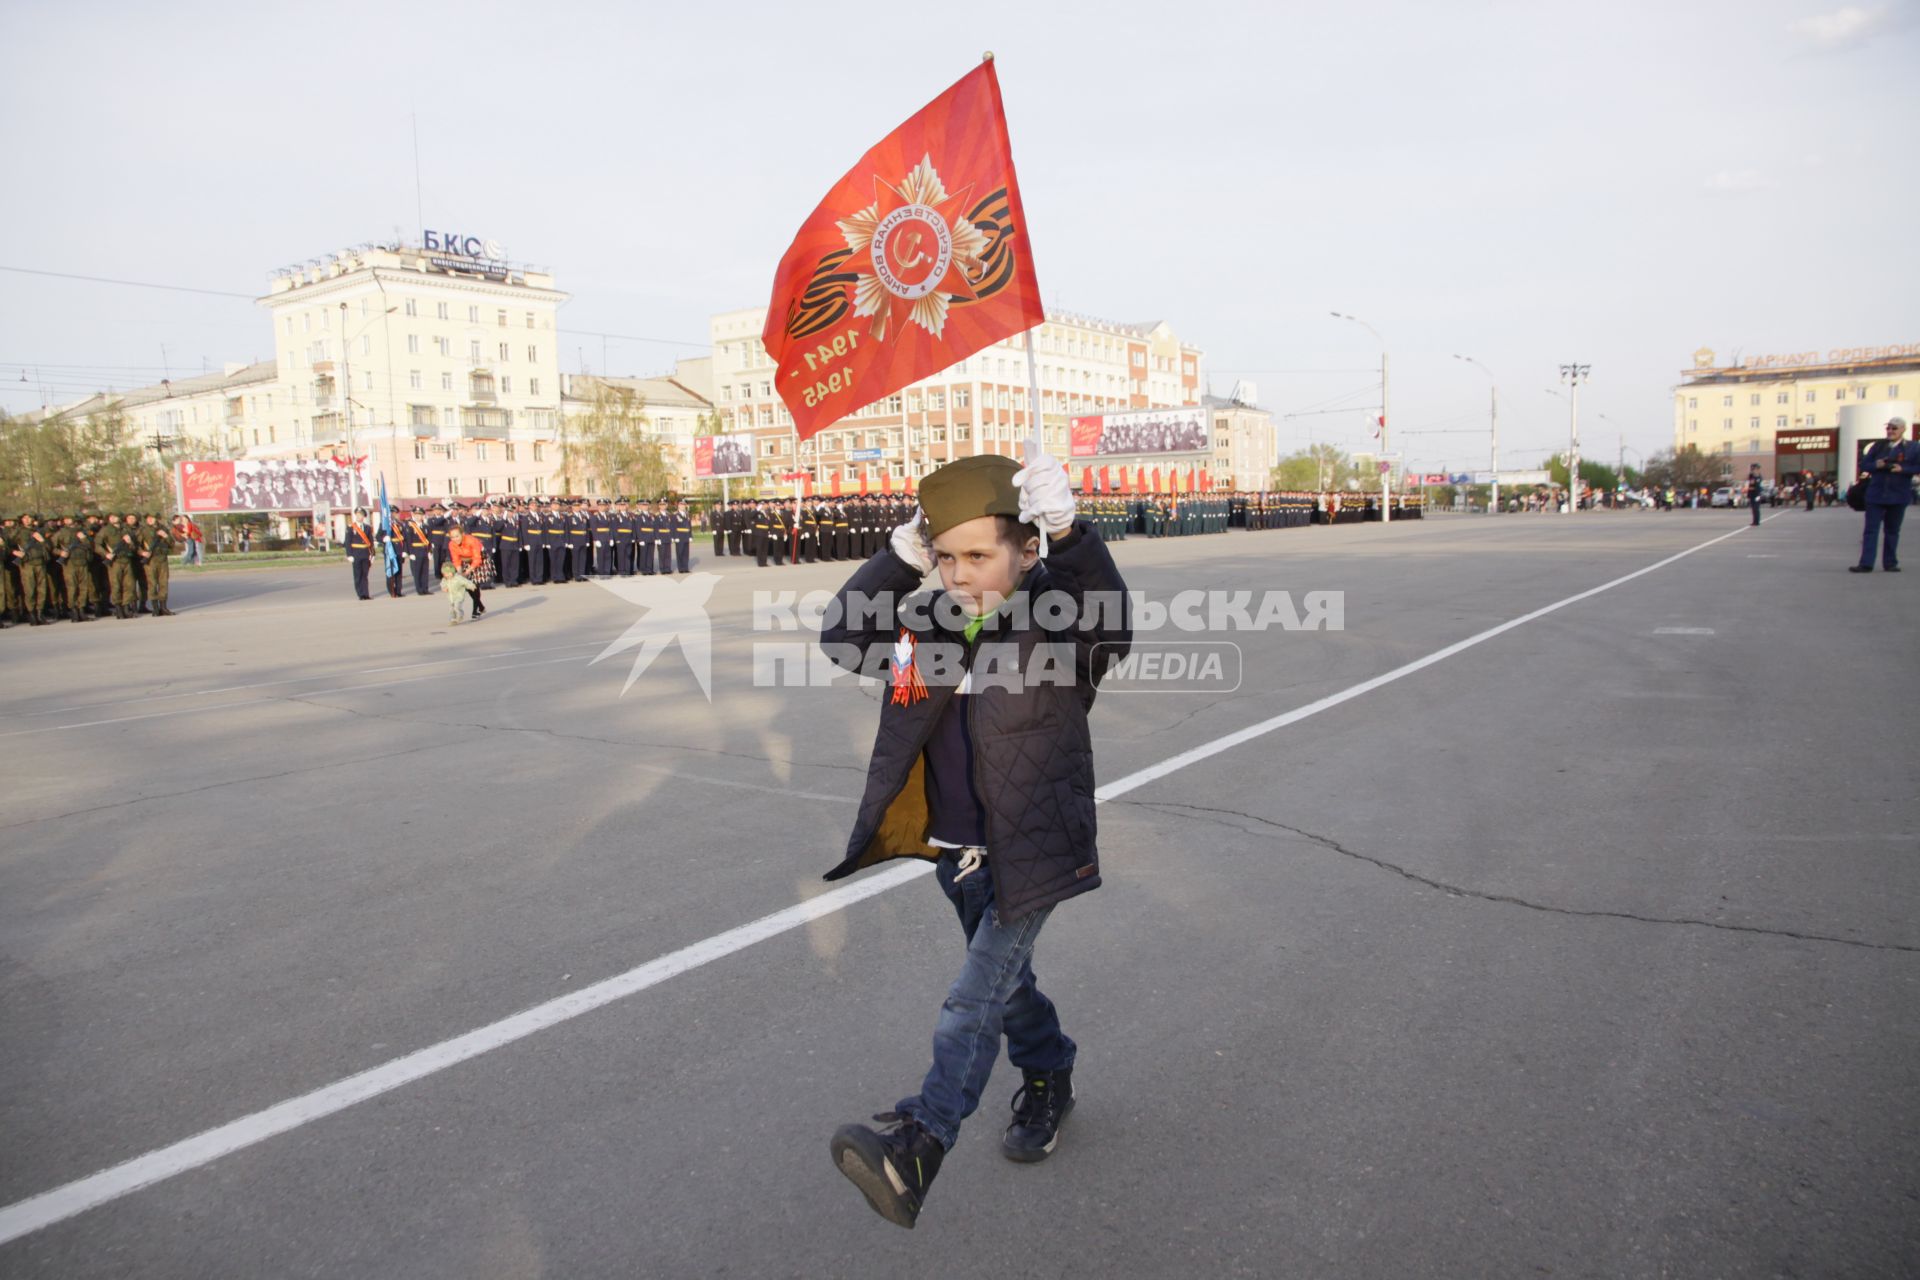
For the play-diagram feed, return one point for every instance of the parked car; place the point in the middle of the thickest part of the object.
(1723, 498)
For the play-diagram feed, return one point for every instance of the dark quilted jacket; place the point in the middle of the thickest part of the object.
(1033, 758)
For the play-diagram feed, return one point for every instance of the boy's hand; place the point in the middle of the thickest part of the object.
(1046, 496)
(911, 544)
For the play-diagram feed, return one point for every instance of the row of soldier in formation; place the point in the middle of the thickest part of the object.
(569, 540)
(81, 567)
(532, 542)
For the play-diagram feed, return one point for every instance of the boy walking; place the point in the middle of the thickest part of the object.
(983, 763)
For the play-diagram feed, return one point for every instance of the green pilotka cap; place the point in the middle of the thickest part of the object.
(981, 485)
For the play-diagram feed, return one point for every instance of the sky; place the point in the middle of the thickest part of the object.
(1529, 184)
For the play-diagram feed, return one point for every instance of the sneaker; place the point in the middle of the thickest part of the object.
(1039, 1109)
(1859, 568)
(892, 1167)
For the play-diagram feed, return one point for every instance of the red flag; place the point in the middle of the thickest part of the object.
(917, 258)
(1124, 486)
(1106, 480)
(1156, 480)
(886, 482)
(836, 483)
(863, 482)
(909, 483)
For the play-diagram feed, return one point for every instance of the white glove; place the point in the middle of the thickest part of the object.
(910, 542)
(1046, 496)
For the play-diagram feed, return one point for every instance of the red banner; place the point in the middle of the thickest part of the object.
(917, 258)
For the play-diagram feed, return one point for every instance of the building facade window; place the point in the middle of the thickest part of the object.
(420, 487)
(533, 386)
(440, 311)
(411, 309)
(413, 379)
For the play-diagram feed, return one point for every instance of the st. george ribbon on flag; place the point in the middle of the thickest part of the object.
(917, 258)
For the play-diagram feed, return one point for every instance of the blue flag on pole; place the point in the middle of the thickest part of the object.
(386, 530)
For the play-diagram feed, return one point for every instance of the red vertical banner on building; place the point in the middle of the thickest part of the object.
(917, 258)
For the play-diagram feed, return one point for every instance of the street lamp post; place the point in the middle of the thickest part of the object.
(1573, 375)
(1493, 423)
(1386, 482)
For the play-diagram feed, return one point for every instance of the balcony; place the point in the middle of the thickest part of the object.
(484, 424)
(424, 430)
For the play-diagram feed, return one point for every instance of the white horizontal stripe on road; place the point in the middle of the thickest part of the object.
(100, 1188)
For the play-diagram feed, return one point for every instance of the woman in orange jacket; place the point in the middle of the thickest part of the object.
(467, 555)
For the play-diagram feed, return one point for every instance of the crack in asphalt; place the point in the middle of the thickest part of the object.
(1505, 899)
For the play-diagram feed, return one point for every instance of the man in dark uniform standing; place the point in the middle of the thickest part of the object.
(506, 540)
(437, 538)
(533, 542)
(360, 547)
(646, 525)
(717, 525)
(682, 537)
(620, 538)
(419, 552)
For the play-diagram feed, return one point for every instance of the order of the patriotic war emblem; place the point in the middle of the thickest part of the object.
(913, 254)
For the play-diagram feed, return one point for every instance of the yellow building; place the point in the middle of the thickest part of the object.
(1736, 411)
(440, 360)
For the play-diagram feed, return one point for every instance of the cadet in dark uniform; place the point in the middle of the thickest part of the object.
(622, 539)
(437, 539)
(682, 538)
(359, 550)
(507, 540)
(420, 551)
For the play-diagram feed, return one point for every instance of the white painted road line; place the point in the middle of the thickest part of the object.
(97, 1189)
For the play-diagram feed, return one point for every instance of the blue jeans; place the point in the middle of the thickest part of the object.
(1882, 516)
(994, 995)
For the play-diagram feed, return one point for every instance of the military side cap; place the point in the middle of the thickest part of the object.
(981, 485)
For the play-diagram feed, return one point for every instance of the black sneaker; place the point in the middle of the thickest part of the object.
(893, 1167)
(1039, 1109)
(1859, 568)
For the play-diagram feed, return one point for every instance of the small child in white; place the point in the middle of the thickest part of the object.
(457, 586)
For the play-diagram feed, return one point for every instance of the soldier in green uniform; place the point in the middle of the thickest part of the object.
(31, 553)
(9, 575)
(156, 545)
(116, 546)
(73, 548)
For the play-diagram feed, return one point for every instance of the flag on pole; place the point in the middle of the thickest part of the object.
(917, 258)
(392, 557)
(886, 482)
(836, 484)
(863, 482)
